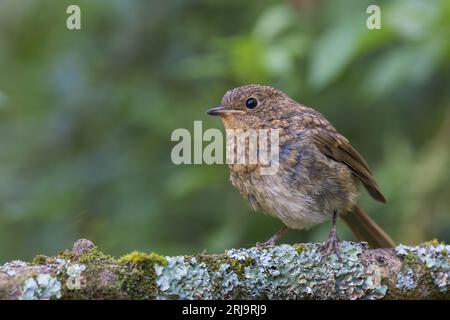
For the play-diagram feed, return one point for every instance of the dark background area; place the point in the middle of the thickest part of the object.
(86, 116)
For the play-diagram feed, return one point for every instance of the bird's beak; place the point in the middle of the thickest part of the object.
(219, 111)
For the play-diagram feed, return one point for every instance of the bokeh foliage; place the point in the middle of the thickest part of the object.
(86, 116)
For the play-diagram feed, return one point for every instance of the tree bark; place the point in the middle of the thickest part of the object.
(300, 271)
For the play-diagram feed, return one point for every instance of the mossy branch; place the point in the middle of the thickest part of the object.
(283, 272)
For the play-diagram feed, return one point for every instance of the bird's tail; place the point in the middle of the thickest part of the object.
(365, 229)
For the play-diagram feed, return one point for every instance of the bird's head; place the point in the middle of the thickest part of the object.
(251, 106)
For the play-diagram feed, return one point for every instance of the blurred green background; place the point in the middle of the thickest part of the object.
(86, 116)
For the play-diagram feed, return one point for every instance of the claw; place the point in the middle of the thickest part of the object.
(273, 240)
(332, 245)
(269, 243)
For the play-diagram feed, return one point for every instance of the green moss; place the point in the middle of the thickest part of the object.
(299, 247)
(137, 283)
(40, 259)
(134, 257)
(410, 260)
(239, 266)
(139, 258)
(213, 263)
(161, 260)
(94, 256)
(137, 278)
(433, 243)
(91, 256)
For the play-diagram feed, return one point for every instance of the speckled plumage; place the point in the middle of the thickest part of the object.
(319, 171)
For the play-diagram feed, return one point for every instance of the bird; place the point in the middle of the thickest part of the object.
(319, 171)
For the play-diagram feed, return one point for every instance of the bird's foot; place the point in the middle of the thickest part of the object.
(274, 239)
(269, 243)
(332, 245)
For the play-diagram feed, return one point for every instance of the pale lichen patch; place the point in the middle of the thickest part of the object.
(75, 270)
(181, 279)
(44, 286)
(432, 256)
(281, 272)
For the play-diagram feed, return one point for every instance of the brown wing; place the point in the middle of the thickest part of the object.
(340, 150)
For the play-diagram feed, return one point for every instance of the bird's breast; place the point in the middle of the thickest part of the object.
(305, 191)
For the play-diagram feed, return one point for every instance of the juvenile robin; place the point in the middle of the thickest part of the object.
(319, 170)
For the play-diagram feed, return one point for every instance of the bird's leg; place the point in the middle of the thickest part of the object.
(332, 245)
(273, 240)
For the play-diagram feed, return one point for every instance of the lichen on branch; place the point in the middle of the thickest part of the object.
(299, 271)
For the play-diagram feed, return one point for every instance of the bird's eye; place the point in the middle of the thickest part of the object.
(251, 103)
